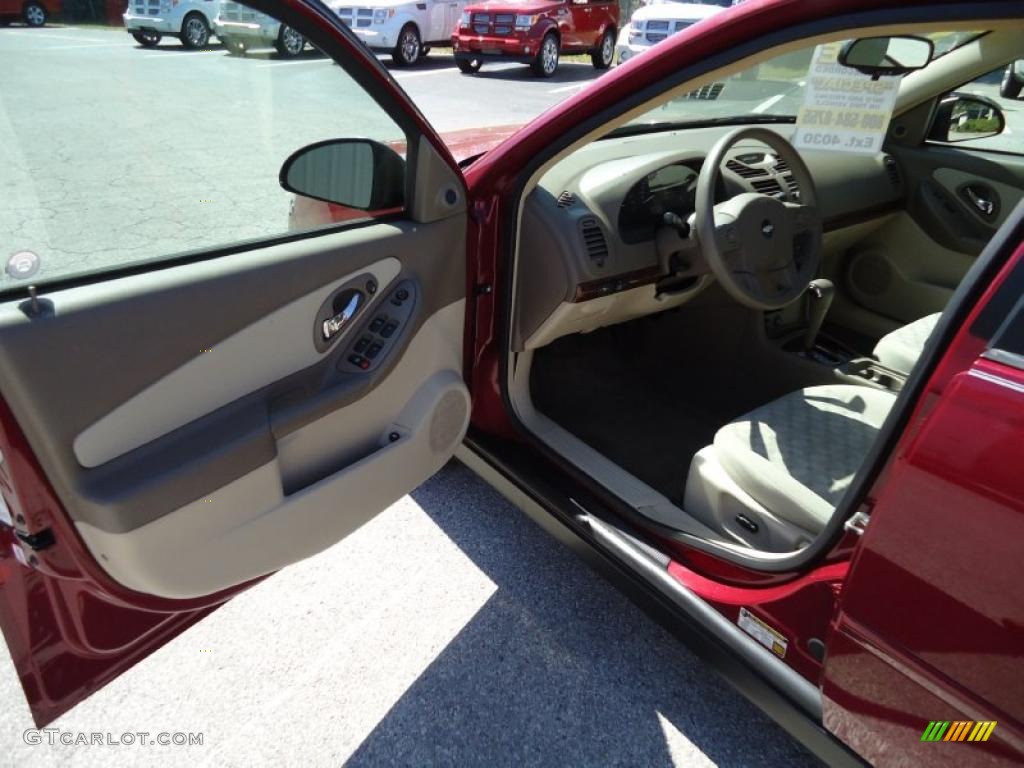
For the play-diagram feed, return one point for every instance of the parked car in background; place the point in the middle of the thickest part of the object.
(240, 29)
(657, 21)
(191, 21)
(535, 33)
(404, 28)
(35, 13)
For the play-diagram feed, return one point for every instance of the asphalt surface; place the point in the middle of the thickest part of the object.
(450, 630)
(111, 153)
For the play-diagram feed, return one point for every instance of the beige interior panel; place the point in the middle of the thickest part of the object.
(413, 419)
(275, 346)
(584, 316)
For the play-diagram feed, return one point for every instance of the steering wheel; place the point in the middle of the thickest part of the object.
(764, 251)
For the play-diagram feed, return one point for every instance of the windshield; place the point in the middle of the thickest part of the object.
(773, 89)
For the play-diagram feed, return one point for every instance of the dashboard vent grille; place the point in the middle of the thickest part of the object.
(744, 170)
(566, 200)
(893, 169)
(781, 165)
(794, 188)
(593, 241)
(705, 92)
(767, 186)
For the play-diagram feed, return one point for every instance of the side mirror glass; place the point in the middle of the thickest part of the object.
(356, 173)
(887, 56)
(967, 117)
(1013, 81)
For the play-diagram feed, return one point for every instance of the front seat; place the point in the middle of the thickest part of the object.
(772, 478)
(900, 349)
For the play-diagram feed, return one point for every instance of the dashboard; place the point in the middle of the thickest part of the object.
(672, 189)
(595, 249)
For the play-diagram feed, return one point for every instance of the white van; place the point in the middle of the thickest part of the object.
(657, 21)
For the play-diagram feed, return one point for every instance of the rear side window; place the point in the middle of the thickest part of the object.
(167, 137)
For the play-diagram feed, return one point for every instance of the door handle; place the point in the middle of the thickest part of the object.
(332, 326)
(979, 198)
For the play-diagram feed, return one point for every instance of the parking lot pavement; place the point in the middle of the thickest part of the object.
(450, 630)
(189, 143)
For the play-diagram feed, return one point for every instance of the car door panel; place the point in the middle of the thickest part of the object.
(910, 266)
(236, 427)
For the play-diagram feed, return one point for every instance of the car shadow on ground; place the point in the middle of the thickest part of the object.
(567, 72)
(558, 667)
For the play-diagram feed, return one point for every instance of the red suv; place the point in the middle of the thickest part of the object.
(536, 33)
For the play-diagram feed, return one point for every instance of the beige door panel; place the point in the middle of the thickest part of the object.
(405, 430)
(894, 276)
(215, 377)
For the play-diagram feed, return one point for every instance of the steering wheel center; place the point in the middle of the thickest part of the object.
(763, 249)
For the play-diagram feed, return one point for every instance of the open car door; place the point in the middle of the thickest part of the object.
(173, 430)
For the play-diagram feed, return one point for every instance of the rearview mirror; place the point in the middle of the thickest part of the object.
(356, 173)
(887, 56)
(963, 117)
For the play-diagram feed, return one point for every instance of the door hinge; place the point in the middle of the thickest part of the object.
(858, 523)
(37, 541)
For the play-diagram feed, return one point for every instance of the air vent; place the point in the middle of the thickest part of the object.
(794, 188)
(566, 200)
(781, 165)
(767, 186)
(745, 170)
(593, 241)
(893, 169)
(705, 92)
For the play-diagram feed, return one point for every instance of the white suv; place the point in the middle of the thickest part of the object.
(406, 30)
(240, 28)
(658, 21)
(148, 21)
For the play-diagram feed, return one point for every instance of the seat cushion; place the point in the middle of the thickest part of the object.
(901, 349)
(797, 455)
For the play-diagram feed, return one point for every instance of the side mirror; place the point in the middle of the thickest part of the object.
(356, 173)
(1013, 80)
(963, 117)
(887, 56)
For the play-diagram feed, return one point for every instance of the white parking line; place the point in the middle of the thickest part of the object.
(764, 106)
(76, 38)
(286, 63)
(409, 75)
(565, 88)
(74, 47)
(168, 56)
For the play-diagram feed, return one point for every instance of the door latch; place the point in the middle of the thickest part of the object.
(858, 523)
(332, 326)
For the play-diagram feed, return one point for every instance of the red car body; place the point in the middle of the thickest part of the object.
(922, 613)
(492, 34)
(18, 10)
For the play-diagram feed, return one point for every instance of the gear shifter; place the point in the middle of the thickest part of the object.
(820, 294)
